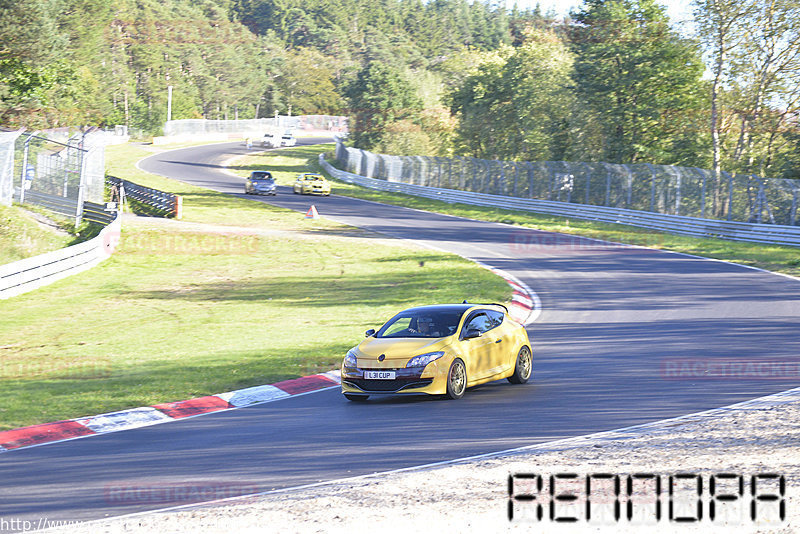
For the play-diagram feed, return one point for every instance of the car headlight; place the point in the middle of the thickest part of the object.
(424, 359)
(350, 360)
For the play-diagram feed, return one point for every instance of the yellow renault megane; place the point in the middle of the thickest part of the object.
(311, 184)
(438, 350)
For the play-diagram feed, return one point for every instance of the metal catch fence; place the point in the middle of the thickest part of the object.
(55, 175)
(664, 189)
(7, 141)
(676, 224)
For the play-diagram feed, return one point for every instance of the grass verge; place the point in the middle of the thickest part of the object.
(30, 230)
(237, 294)
(775, 258)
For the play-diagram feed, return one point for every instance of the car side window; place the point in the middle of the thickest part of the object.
(479, 322)
(484, 321)
(495, 318)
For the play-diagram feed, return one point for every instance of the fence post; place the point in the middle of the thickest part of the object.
(487, 175)
(630, 185)
(703, 195)
(588, 181)
(81, 188)
(550, 180)
(730, 195)
(24, 172)
(178, 207)
(652, 186)
(531, 187)
(516, 179)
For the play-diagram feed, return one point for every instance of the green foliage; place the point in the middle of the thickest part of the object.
(640, 80)
(304, 81)
(439, 77)
(379, 97)
(379, 30)
(517, 105)
(104, 62)
(21, 236)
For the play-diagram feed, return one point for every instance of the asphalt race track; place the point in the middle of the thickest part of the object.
(616, 323)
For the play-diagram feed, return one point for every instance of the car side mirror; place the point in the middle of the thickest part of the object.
(472, 333)
(370, 332)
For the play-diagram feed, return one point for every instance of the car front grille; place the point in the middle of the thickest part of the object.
(389, 386)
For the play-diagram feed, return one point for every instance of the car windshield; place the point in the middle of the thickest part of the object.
(421, 323)
(261, 176)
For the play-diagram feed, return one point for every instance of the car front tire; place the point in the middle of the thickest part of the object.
(523, 368)
(456, 379)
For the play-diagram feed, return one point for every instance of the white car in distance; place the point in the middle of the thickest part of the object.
(270, 140)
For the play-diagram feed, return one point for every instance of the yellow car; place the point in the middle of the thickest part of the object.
(438, 350)
(312, 184)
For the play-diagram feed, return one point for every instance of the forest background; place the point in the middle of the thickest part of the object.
(615, 81)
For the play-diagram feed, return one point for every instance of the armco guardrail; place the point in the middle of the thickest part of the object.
(693, 226)
(68, 207)
(31, 273)
(98, 213)
(165, 203)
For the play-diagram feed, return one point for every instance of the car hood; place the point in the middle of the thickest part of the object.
(396, 351)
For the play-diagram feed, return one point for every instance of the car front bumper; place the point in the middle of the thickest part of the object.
(264, 191)
(431, 380)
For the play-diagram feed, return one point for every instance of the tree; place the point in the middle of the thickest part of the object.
(640, 79)
(721, 29)
(31, 60)
(540, 98)
(769, 73)
(518, 106)
(474, 103)
(378, 97)
(306, 84)
(754, 50)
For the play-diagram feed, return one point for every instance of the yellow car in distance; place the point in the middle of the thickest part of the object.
(312, 184)
(438, 350)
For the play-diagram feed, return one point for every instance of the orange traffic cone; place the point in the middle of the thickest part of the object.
(312, 213)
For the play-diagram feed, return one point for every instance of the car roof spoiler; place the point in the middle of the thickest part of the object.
(486, 304)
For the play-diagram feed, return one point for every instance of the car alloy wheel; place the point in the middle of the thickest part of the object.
(456, 379)
(523, 368)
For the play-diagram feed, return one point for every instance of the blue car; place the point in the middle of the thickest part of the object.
(260, 183)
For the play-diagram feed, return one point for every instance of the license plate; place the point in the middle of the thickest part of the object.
(379, 375)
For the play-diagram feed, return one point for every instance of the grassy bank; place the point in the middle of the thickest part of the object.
(781, 259)
(21, 236)
(187, 308)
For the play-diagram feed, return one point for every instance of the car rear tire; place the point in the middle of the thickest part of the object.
(523, 368)
(456, 379)
(355, 397)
